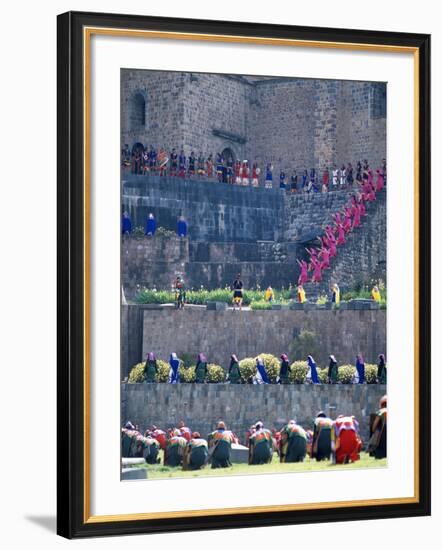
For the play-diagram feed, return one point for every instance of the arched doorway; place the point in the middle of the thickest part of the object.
(229, 155)
(137, 148)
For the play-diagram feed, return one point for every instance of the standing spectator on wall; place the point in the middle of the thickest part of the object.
(152, 159)
(282, 180)
(343, 176)
(269, 176)
(181, 227)
(237, 172)
(209, 166)
(349, 174)
(201, 165)
(219, 166)
(125, 156)
(245, 173)
(192, 161)
(255, 175)
(230, 170)
(182, 164)
(173, 162)
(136, 161)
(384, 170)
(304, 181)
(359, 173)
(335, 176)
(325, 180)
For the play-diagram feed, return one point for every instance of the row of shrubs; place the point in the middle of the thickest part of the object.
(217, 374)
(202, 296)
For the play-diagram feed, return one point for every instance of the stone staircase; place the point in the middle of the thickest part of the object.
(363, 255)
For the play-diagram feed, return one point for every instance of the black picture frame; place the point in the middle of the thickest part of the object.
(71, 396)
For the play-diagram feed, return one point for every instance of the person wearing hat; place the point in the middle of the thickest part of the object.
(220, 446)
(332, 370)
(201, 369)
(321, 446)
(381, 376)
(126, 224)
(196, 453)
(150, 369)
(234, 374)
(245, 173)
(269, 176)
(378, 441)
(346, 443)
(237, 287)
(284, 370)
(260, 445)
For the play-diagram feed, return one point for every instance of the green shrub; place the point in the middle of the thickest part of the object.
(136, 375)
(216, 373)
(298, 372)
(138, 232)
(247, 368)
(148, 296)
(322, 299)
(187, 374)
(371, 372)
(260, 304)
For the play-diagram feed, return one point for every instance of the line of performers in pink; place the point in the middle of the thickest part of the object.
(337, 440)
(335, 234)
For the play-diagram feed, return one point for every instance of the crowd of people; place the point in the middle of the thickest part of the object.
(261, 376)
(336, 440)
(143, 160)
(334, 236)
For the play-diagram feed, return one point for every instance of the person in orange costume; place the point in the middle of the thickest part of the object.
(346, 442)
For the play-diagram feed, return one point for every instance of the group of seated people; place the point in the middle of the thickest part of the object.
(261, 375)
(224, 168)
(337, 440)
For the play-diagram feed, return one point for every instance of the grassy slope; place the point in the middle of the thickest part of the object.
(158, 471)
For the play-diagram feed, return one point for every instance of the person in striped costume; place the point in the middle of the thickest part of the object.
(293, 444)
(260, 445)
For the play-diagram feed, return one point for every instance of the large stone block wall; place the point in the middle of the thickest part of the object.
(295, 123)
(214, 211)
(248, 333)
(202, 405)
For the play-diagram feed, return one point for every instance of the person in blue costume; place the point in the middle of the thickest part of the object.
(312, 372)
(151, 225)
(126, 224)
(360, 370)
(174, 371)
(261, 376)
(152, 159)
(181, 228)
(282, 184)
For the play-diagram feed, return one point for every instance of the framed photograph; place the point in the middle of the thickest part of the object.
(243, 272)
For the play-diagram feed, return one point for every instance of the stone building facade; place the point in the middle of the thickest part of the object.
(294, 123)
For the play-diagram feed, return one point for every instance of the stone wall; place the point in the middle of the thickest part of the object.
(202, 405)
(248, 333)
(214, 211)
(295, 123)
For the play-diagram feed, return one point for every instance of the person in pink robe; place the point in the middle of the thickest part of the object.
(303, 276)
(380, 180)
(357, 217)
(347, 223)
(325, 254)
(341, 234)
(332, 241)
(317, 275)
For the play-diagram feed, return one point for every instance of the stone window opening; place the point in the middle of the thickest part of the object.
(138, 111)
(378, 100)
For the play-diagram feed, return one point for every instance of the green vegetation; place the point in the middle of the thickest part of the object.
(159, 471)
(202, 296)
(216, 373)
(304, 344)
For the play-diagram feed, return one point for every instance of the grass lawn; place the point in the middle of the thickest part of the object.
(159, 471)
